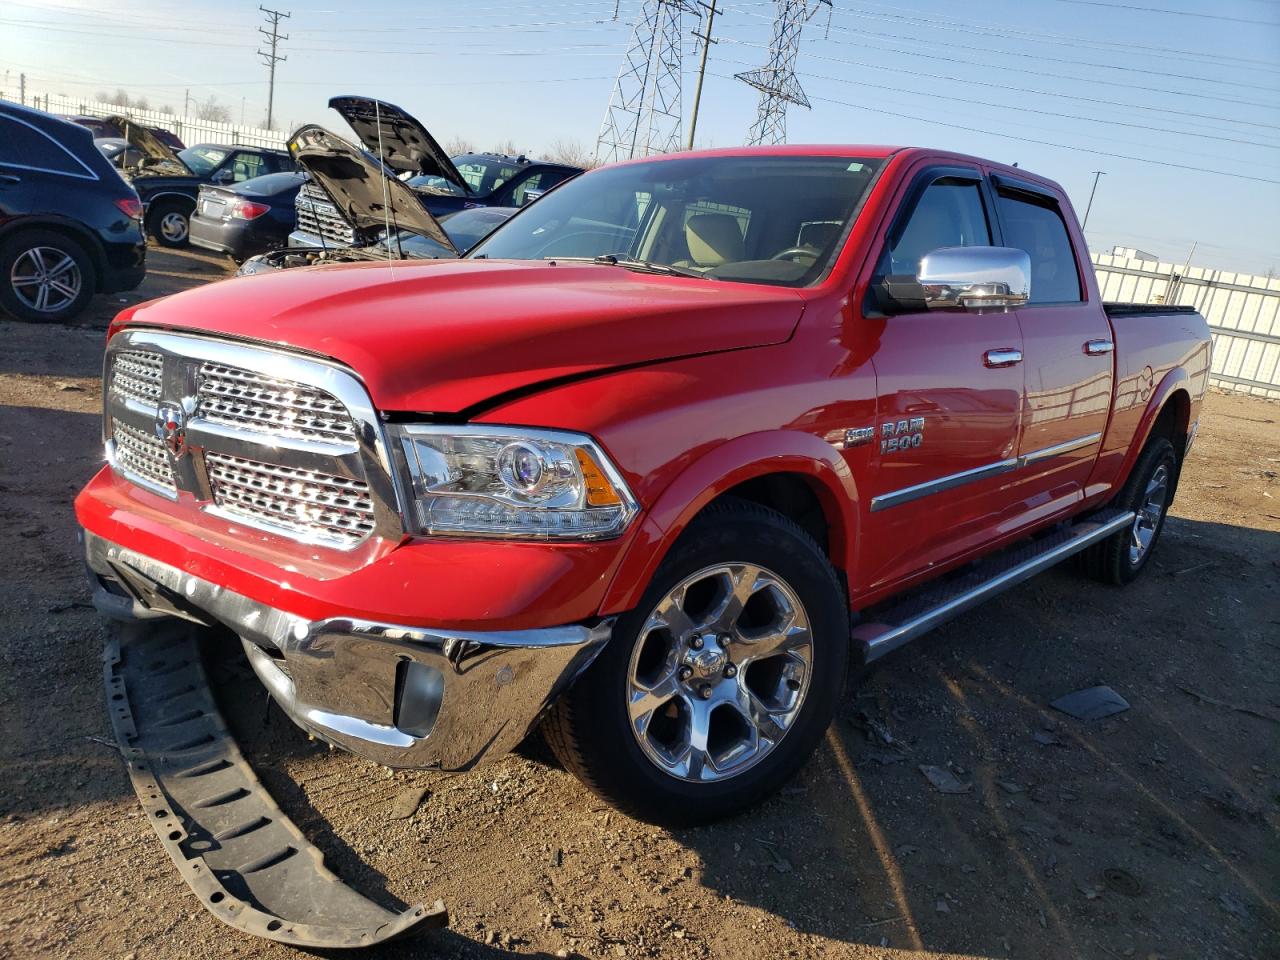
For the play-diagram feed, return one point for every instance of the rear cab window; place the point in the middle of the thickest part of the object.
(1033, 222)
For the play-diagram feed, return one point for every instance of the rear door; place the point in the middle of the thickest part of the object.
(950, 395)
(24, 167)
(1068, 353)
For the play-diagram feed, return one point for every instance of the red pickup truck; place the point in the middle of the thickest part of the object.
(653, 465)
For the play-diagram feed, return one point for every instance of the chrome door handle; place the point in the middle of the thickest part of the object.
(1096, 348)
(1002, 357)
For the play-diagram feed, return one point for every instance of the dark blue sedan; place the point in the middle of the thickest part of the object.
(246, 218)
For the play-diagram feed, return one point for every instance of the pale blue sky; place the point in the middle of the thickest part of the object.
(1191, 85)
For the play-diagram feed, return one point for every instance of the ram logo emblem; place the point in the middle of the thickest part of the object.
(896, 435)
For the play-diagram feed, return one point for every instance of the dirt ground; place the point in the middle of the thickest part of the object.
(1150, 834)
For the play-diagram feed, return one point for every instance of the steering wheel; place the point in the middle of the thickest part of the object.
(794, 253)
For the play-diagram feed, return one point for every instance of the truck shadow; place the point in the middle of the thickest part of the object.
(1063, 838)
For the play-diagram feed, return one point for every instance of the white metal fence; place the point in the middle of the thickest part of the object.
(189, 129)
(1243, 311)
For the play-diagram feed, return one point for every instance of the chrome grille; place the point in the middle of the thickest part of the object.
(137, 374)
(141, 455)
(251, 401)
(302, 502)
(317, 215)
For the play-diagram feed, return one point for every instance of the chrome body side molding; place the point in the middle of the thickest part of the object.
(952, 480)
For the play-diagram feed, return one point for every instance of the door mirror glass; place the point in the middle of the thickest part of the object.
(972, 278)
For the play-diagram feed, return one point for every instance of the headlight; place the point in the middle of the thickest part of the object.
(482, 481)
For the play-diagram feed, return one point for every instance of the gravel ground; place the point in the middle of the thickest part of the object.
(1150, 834)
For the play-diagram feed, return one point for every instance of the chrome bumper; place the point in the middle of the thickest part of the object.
(401, 696)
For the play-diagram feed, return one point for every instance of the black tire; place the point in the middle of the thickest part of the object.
(1114, 560)
(169, 221)
(590, 730)
(31, 253)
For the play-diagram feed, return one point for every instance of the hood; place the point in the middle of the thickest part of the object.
(158, 158)
(397, 138)
(363, 190)
(443, 336)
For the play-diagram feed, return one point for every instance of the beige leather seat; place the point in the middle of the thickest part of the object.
(713, 239)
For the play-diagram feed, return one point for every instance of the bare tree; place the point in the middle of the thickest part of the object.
(211, 109)
(571, 152)
(507, 148)
(458, 146)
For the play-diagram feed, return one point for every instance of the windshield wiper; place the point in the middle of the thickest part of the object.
(633, 263)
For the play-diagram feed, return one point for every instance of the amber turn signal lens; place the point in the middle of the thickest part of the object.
(600, 492)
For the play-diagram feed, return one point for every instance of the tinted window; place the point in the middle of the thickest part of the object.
(1039, 230)
(25, 146)
(246, 166)
(948, 214)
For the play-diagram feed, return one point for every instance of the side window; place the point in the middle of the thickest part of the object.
(948, 214)
(24, 146)
(518, 196)
(246, 166)
(1038, 229)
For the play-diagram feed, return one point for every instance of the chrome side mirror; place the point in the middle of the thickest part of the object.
(972, 278)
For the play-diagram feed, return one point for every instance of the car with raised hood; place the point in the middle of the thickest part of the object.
(109, 128)
(70, 227)
(650, 466)
(168, 183)
(344, 187)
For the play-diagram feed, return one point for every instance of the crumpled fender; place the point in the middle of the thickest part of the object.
(732, 463)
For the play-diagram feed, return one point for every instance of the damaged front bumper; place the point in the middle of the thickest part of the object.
(399, 695)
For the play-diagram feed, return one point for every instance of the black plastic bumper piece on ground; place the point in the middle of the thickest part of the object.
(247, 862)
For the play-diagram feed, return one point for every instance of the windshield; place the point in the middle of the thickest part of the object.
(202, 160)
(759, 219)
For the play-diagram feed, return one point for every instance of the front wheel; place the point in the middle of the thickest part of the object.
(170, 222)
(717, 687)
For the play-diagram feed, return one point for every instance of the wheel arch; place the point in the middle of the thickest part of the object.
(1168, 414)
(787, 470)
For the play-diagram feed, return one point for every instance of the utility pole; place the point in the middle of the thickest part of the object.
(271, 59)
(186, 102)
(702, 67)
(1096, 175)
(22, 88)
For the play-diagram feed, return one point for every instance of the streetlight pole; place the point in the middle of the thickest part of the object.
(1096, 175)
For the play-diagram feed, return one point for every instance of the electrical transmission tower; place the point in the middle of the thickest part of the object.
(644, 114)
(272, 58)
(776, 80)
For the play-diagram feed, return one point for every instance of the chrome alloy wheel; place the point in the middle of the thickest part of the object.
(174, 227)
(1145, 524)
(719, 672)
(45, 279)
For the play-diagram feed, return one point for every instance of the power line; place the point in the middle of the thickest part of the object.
(1173, 13)
(271, 59)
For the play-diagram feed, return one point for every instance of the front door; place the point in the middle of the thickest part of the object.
(949, 398)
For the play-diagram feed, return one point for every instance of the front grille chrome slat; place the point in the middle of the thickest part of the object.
(263, 438)
(140, 455)
(305, 503)
(251, 401)
(317, 215)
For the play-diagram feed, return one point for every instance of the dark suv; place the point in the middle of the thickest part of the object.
(70, 227)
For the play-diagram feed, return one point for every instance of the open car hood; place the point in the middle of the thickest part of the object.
(158, 159)
(365, 192)
(397, 139)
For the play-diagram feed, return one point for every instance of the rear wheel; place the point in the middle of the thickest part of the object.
(1148, 493)
(717, 687)
(170, 222)
(45, 276)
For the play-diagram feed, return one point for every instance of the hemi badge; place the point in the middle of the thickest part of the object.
(857, 436)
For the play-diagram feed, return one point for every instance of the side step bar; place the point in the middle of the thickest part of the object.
(248, 863)
(935, 604)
